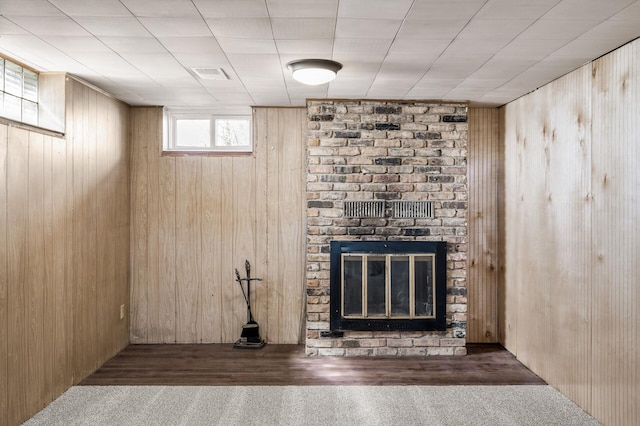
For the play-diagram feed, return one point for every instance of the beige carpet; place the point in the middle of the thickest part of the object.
(312, 405)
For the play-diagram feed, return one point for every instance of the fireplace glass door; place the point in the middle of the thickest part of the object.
(399, 286)
(388, 285)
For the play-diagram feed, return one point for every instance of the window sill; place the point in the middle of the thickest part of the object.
(31, 127)
(176, 153)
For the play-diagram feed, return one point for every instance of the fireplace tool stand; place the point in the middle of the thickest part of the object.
(250, 337)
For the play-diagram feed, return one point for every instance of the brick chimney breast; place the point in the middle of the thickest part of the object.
(385, 151)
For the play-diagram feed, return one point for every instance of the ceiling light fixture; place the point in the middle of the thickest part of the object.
(314, 71)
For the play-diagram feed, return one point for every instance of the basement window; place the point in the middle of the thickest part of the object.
(18, 93)
(208, 133)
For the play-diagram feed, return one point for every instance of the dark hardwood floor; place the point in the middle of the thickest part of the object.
(279, 365)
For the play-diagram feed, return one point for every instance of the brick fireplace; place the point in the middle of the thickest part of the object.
(383, 154)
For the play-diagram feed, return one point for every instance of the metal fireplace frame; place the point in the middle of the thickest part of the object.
(436, 323)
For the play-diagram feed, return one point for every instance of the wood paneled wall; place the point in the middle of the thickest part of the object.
(483, 261)
(615, 236)
(197, 218)
(64, 242)
(572, 197)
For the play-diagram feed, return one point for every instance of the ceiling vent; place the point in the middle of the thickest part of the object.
(210, 73)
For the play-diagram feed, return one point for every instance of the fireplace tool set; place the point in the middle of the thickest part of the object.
(250, 337)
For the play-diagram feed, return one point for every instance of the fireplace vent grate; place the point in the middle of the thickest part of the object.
(412, 209)
(363, 209)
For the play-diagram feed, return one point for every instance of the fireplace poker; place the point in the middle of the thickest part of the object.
(250, 337)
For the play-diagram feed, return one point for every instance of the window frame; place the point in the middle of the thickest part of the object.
(171, 144)
(23, 99)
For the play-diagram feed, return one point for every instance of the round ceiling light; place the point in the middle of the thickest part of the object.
(314, 71)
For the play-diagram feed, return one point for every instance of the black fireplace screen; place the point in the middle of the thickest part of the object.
(388, 285)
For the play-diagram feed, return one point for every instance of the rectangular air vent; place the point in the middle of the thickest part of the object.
(412, 209)
(363, 209)
(210, 73)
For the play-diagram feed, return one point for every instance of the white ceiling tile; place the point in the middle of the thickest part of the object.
(435, 10)
(156, 65)
(374, 9)
(32, 51)
(203, 45)
(108, 64)
(113, 8)
(631, 13)
(447, 83)
(305, 47)
(504, 68)
(241, 27)
(508, 92)
(28, 8)
(363, 46)
(431, 29)
(176, 27)
(303, 28)
(263, 85)
(386, 93)
(475, 46)
(8, 27)
(301, 101)
(239, 45)
(367, 28)
(114, 27)
(481, 50)
(524, 83)
(299, 90)
(531, 48)
(302, 9)
(50, 25)
(224, 86)
(76, 68)
(484, 84)
(193, 98)
(31, 59)
(342, 83)
(552, 67)
(270, 100)
(177, 82)
(457, 66)
(396, 67)
(431, 92)
(198, 60)
(235, 99)
(397, 74)
(515, 9)
(486, 28)
(162, 8)
(359, 66)
(418, 47)
(556, 29)
(395, 84)
(349, 87)
(133, 44)
(587, 9)
(247, 65)
(586, 49)
(77, 44)
(464, 94)
(620, 31)
(232, 8)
